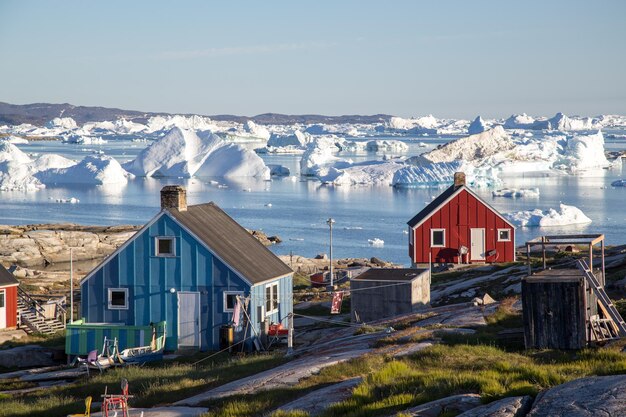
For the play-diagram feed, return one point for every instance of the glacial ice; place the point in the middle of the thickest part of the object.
(477, 126)
(94, 170)
(516, 192)
(566, 215)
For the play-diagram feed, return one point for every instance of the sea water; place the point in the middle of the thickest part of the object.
(296, 209)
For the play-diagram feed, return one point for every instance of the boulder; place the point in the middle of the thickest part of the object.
(317, 401)
(506, 407)
(585, 397)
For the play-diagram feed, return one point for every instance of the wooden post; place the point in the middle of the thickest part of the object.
(528, 258)
(591, 258)
(290, 334)
(603, 270)
(543, 250)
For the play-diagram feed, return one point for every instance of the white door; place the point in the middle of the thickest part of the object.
(477, 243)
(189, 319)
(3, 309)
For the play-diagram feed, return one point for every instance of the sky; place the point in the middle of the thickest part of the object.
(406, 58)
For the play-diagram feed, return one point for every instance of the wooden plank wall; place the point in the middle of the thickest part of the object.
(554, 314)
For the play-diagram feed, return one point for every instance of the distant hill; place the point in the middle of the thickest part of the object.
(40, 113)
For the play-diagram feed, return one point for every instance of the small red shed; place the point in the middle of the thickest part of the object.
(8, 299)
(459, 227)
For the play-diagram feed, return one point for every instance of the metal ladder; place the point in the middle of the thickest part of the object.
(606, 306)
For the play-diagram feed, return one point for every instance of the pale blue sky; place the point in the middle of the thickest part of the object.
(448, 58)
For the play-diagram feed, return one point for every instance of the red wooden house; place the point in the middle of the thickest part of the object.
(8, 299)
(459, 227)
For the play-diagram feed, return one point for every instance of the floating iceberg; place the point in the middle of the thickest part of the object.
(516, 193)
(319, 154)
(474, 147)
(95, 170)
(437, 174)
(376, 242)
(477, 126)
(362, 173)
(297, 139)
(394, 146)
(582, 152)
(84, 140)
(567, 215)
(256, 131)
(182, 153)
(62, 123)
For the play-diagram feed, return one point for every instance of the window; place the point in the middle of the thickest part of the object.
(504, 235)
(118, 298)
(271, 298)
(2, 299)
(230, 299)
(165, 246)
(437, 238)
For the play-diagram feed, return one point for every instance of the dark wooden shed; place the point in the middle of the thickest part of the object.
(387, 292)
(568, 308)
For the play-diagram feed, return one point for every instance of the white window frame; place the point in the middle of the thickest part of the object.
(274, 302)
(3, 295)
(226, 294)
(109, 299)
(504, 230)
(432, 234)
(157, 239)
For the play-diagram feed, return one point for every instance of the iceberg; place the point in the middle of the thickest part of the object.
(182, 153)
(10, 152)
(376, 242)
(477, 126)
(516, 193)
(437, 174)
(278, 170)
(582, 152)
(95, 170)
(84, 140)
(62, 123)
(473, 147)
(563, 123)
(297, 139)
(16, 176)
(319, 154)
(362, 173)
(256, 131)
(566, 215)
(14, 140)
(394, 146)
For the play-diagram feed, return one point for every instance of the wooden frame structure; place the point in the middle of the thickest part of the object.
(568, 308)
(588, 239)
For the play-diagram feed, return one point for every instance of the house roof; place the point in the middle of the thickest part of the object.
(231, 242)
(391, 274)
(442, 199)
(6, 278)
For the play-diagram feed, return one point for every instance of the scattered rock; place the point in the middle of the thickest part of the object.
(485, 300)
(585, 397)
(317, 401)
(454, 404)
(377, 261)
(321, 256)
(506, 407)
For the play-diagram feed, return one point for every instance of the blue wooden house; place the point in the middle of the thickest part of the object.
(187, 267)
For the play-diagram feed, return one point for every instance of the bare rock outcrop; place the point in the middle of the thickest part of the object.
(455, 403)
(506, 407)
(585, 397)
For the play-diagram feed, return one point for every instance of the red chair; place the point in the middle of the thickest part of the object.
(113, 402)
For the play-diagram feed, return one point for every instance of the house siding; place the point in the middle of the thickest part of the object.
(461, 214)
(149, 279)
(10, 303)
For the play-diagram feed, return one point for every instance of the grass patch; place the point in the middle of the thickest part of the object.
(54, 341)
(151, 385)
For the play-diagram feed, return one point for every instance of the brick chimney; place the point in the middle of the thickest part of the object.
(174, 197)
(459, 179)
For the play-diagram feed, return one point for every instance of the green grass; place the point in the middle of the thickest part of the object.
(151, 385)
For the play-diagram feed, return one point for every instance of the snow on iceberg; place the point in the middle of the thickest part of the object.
(297, 139)
(16, 176)
(182, 153)
(84, 140)
(563, 123)
(516, 193)
(94, 170)
(567, 215)
(362, 173)
(477, 126)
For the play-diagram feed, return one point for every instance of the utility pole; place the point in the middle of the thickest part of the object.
(330, 223)
(71, 288)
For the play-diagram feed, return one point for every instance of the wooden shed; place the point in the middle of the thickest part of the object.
(568, 308)
(8, 299)
(386, 292)
(460, 227)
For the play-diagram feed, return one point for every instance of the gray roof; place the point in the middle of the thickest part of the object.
(7, 278)
(391, 274)
(231, 242)
(427, 211)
